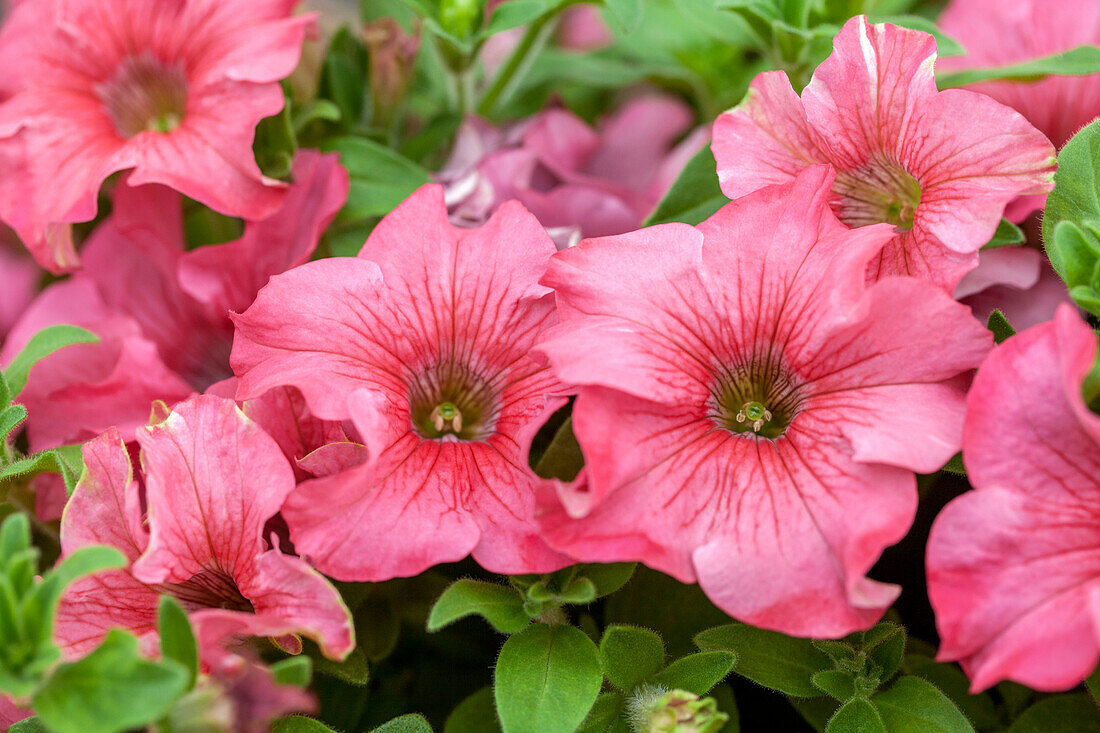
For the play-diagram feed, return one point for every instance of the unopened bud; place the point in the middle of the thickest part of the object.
(653, 710)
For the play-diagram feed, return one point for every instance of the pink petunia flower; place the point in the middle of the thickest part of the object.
(750, 410)
(20, 277)
(577, 181)
(939, 166)
(422, 340)
(162, 313)
(998, 34)
(211, 480)
(1018, 281)
(1013, 566)
(172, 90)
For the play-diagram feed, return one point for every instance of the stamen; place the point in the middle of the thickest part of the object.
(446, 416)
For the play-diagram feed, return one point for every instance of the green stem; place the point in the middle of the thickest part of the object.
(522, 57)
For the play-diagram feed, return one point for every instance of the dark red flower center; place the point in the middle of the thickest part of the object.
(877, 192)
(209, 589)
(145, 94)
(451, 400)
(757, 398)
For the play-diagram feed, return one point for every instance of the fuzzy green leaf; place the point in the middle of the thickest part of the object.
(113, 689)
(630, 655)
(856, 716)
(771, 659)
(697, 673)
(500, 605)
(915, 705)
(546, 679)
(41, 345)
(1077, 61)
(177, 640)
(694, 196)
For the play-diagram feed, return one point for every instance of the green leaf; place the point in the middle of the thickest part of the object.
(177, 640)
(87, 560)
(500, 605)
(1063, 713)
(835, 683)
(1075, 62)
(1007, 234)
(1076, 194)
(563, 458)
(774, 660)
(514, 14)
(343, 76)
(915, 705)
(274, 144)
(48, 461)
(475, 714)
(579, 591)
(888, 650)
(299, 724)
(694, 196)
(15, 536)
(953, 683)
(28, 725)
(355, 670)
(856, 716)
(625, 15)
(113, 689)
(380, 178)
(10, 418)
(1092, 684)
(1075, 254)
(41, 345)
(630, 655)
(412, 723)
(607, 578)
(1000, 326)
(297, 671)
(697, 673)
(546, 679)
(606, 710)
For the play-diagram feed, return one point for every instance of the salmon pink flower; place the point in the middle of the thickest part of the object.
(751, 412)
(1014, 565)
(939, 166)
(162, 313)
(422, 341)
(998, 34)
(172, 90)
(211, 480)
(1018, 281)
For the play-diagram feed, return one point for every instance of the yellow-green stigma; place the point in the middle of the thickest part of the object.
(447, 418)
(755, 414)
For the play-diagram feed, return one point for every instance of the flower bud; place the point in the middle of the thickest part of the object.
(653, 710)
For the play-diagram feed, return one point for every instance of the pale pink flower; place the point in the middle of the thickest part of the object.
(422, 340)
(578, 181)
(939, 166)
(10, 713)
(19, 279)
(172, 90)
(997, 33)
(162, 313)
(1014, 565)
(1018, 281)
(751, 412)
(193, 527)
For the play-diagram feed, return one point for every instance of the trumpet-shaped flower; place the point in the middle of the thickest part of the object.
(162, 313)
(211, 480)
(751, 412)
(938, 166)
(1014, 565)
(422, 341)
(172, 90)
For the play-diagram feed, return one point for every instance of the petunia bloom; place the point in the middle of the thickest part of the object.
(1018, 281)
(211, 480)
(162, 313)
(751, 412)
(939, 166)
(1014, 565)
(422, 341)
(171, 90)
(999, 34)
(579, 182)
